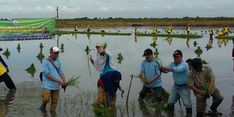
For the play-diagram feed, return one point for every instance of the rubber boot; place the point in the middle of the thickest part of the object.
(43, 107)
(188, 112)
(215, 105)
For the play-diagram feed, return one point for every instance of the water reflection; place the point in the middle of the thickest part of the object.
(220, 42)
(225, 41)
(187, 42)
(62, 48)
(31, 70)
(7, 53)
(18, 48)
(87, 50)
(6, 102)
(41, 56)
(169, 40)
(195, 43)
(154, 43)
(156, 53)
(88, 36)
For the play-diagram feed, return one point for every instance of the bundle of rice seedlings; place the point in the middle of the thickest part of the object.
(72, 82)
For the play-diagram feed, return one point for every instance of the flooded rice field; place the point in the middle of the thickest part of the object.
(76, 102)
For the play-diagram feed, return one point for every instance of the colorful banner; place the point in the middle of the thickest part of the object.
(35, 28)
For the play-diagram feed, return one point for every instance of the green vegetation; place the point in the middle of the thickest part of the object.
(198, 51)
(31, 70)
(73, 81)
(7, 53)
(95, 33)
(224, 37)
(120, 58)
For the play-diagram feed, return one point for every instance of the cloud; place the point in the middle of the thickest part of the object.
(116, 8)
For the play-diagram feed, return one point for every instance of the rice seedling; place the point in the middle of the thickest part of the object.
(73, 81)
(40, 56)
(7, 53)
(198, 51)
(195, 43)
(208, 47)
(120, 58)
(31, 70)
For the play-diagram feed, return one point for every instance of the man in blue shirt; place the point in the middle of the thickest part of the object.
(180, 89)
(150, 75)
(52, 78)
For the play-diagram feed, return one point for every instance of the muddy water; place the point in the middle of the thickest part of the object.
(77, 101)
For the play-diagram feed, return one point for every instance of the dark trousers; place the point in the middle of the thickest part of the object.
(7, 80)
(156, 90)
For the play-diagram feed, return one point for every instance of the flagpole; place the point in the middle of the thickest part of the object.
(57, 18)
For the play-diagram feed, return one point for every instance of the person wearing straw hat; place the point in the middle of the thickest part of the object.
(4, 76)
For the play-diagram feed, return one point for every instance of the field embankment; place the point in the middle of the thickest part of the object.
(121, 22)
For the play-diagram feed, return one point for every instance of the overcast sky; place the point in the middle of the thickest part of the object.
(116, 8)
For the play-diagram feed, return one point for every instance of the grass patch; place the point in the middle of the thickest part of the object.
(224, 37)
(95, 33)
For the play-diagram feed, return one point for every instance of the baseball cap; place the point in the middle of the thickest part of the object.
(54, 49)
(177, 52)
(99, 44)
(148, 51)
